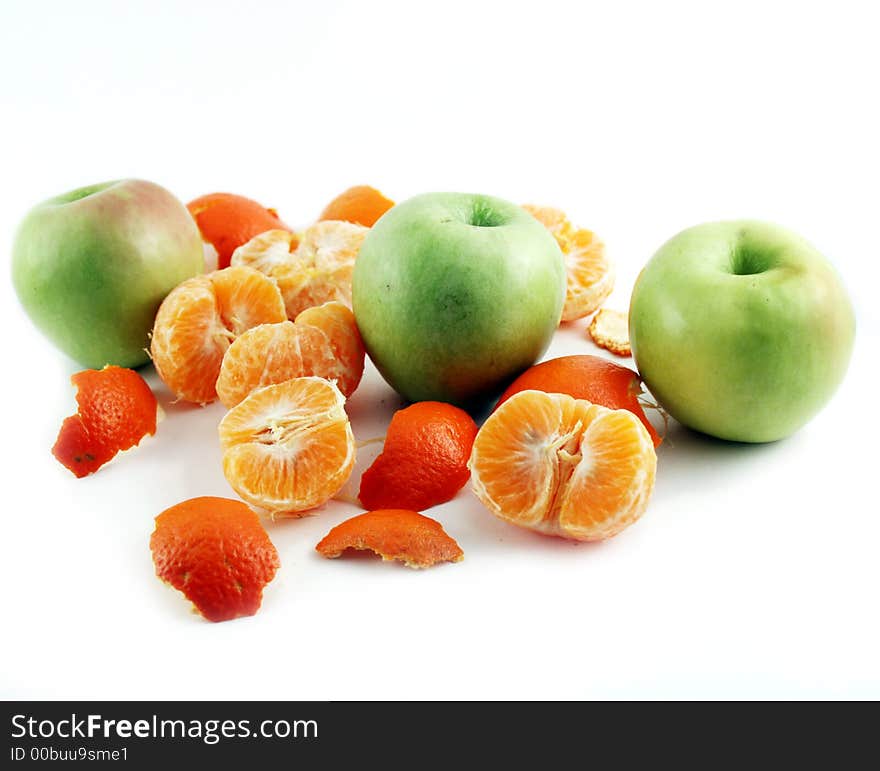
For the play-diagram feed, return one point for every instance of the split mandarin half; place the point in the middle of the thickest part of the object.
(361, 204)
(324, 341)
(226, 221)
(424, 460)
(115, 410)
(394, 534)
(316, 271)
(583, 376)
(199, 319)
(589, 272)
(217, 552)
(288, 448)
(563, 466)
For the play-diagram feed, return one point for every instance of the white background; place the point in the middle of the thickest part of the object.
(754, 573)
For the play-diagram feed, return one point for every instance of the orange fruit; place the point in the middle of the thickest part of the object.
(217, 552)
(563, 466)
(288, 448)
(324, 342)
(424, 460)
(586, 377)
(316, 270)
(589, 272)
(610, 330)
(360, 204)
(115, 410)
(337, 322)
(394, 534)
(199, 319)
(227, 221)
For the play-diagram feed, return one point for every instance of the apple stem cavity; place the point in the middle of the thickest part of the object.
(746, 260)
(483, 215)
(73, 196)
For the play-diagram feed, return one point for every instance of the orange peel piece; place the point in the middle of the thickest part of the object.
(217, 552)
(610, 330)
(115, 410)
(394, 534)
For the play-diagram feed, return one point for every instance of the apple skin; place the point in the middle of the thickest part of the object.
(455, 294)
(741, 330)
(91, 267)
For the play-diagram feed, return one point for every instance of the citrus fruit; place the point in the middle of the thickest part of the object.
(288, 447)
(337, 322)
(424, 460)
(116, 409)
(200, 318)
(324, 342)
(217, 552)
(360, 204)
(315, 271)
(394, 534)
(589, 273)
(586, 377)
(227, 221)
(563, 466)
(609, 330)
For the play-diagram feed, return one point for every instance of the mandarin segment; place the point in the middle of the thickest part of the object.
(394, 534)
(563, 466)
(199, 319)
(322, 266)
(267, 252)
(338, 324)
(317, 271)
(217, 552)
(288, 448)
(610, 330)
(583, 376)
(226, 221)
(361, 204)
(116, 409)
(324, 342)
(589, 272)
(616, 478)
(424, 460)
(269, 354)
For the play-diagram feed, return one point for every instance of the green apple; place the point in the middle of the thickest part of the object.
(92, 266)
(456, 294)
(741, 330)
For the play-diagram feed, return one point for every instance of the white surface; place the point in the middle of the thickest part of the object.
(754, 572)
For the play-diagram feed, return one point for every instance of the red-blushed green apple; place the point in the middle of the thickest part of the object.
(741, 329)
(456, 294)
(92, 266)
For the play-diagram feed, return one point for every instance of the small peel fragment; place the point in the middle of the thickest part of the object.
(610, 330)
(394, 534)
